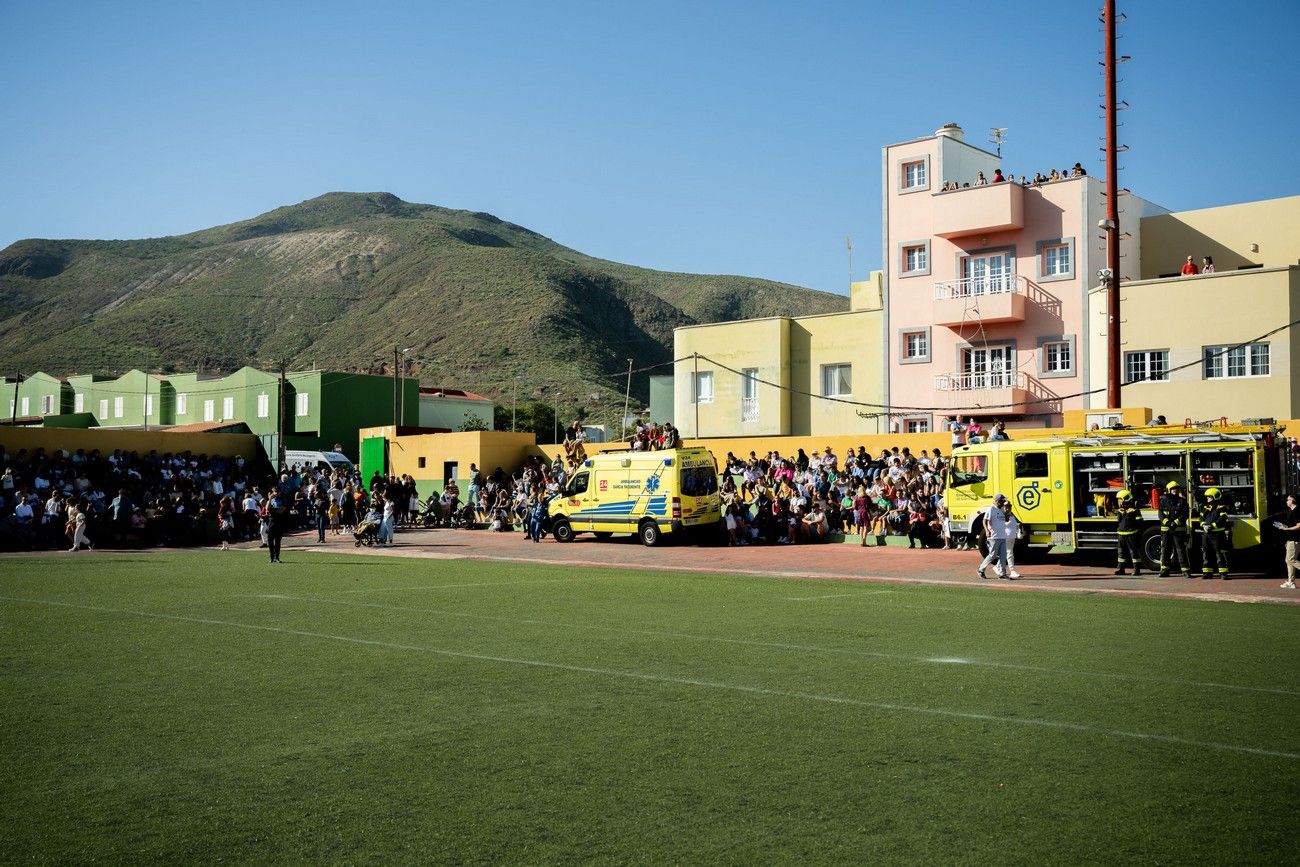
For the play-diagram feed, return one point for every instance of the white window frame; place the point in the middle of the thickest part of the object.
(916, 259)
(749, 394)
(916, 424)
(264, 405)
(47, 404)
(1142, 358)
(702, 386)
(182, 404)
(227, 408)
(916, 345)
(1217, 362)
(79, 402)
(1056, 260)
(210, 409)
(148, 405)
(25, 406)
(831, 380)
(1064, 360)
(914, 175)
(103, 408)
(119, 406)
(302, 404)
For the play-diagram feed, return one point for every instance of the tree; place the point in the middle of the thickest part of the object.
(533, 416)
(473, 422)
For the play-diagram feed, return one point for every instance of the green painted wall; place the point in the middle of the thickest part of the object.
(661, 399)
(451, 412)
(37, 394)
(121, 402)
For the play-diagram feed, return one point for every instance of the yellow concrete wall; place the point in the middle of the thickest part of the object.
(758, 343)
(1225, 233)
(868, 294)
(487, 449)
(833, 339)
(107, 440)
(1219, 309)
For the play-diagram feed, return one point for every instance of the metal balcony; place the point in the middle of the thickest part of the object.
(990, 299)
(1001, 392)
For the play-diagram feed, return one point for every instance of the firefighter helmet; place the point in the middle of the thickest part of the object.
(1213, 494)
(1124, 496)
(1175, 485)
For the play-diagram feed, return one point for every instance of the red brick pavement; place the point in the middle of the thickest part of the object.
(830, 561)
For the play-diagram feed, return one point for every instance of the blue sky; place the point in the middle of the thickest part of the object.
(728, 137)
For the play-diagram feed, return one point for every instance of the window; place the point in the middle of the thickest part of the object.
(103, 408)
(302, 403)
(1056, 260)
(78, 403)
(148, 405)
(47, 404)
(703, 387)
(182, 404)
(916, 258)
(914, 175)
(1232, 362)
(837, 380)
(578, 484)
(1057, 357)
(1147, 366)
(227, 408)
(916, 425)
(263, 405)
(699, 481)
(1031, 465)
(749, 394)
(422, 462)
(209, 410)
(118, 406)
(969, 470)
(916, 345)
(27, 406)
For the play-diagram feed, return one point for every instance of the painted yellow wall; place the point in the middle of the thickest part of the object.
(1184, 315)
(107, 440)
(788, 352)
(754, 343)
(487, 449)
(1225, 233)
(868, 294)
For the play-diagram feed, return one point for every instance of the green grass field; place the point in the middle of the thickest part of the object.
(202, 706)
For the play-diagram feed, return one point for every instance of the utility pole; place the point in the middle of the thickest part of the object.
(627, 397)
(695, 392)
(1112, 216)
(18, 378)
(555, 414)
(396, 418)
(146, 401)
(514, 404)
(279, 420)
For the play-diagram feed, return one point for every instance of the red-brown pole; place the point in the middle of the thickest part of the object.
(1114, 367)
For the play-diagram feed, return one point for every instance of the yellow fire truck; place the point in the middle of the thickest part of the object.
(1063, 489)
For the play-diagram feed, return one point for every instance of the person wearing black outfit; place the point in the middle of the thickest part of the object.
(277, 515)
(1128, 525)
(322, 506)
(1174, 515)
(1215, 529)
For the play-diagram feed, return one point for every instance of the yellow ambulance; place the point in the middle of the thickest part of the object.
(646, 493)
(1063, 490)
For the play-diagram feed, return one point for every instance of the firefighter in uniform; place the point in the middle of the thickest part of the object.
(1174, 516)
(1128, 525)
(1215, 527)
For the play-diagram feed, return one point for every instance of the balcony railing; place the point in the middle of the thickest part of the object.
(992, 284)
(981, 381)
(749, 409)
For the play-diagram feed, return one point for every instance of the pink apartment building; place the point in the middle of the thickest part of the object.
(988, 287)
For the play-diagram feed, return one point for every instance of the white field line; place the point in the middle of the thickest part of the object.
(777, 645)
(571, 580)
(1058, 725)
(834, 596)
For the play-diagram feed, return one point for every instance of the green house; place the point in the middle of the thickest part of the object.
(37, 394)
(134, 399)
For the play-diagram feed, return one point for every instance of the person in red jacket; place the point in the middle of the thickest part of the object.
(1190, 268)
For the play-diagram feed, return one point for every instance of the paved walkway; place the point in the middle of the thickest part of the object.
(830, 561)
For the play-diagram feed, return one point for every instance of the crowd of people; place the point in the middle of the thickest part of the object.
(1077, 171)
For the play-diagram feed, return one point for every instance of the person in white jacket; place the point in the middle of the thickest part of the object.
(1001, 529)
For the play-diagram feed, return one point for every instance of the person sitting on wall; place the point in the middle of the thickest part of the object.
(1078, 171)
(980, 180)
(997, 177)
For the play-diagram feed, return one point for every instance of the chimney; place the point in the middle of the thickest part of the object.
(950, 130)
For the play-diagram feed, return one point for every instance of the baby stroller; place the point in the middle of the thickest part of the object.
(462, 517)
(367, 531)
(431, 514)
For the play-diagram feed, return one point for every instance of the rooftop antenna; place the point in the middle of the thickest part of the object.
(848, 242)
(998, 135)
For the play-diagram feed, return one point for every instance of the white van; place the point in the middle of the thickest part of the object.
(317, 460)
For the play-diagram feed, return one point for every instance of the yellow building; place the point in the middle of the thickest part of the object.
(1212, 345)
(769, 377)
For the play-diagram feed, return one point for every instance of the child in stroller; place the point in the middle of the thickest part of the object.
(367, 530)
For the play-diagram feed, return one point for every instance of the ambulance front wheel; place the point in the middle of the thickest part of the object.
(649, 533)
(562, 530)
